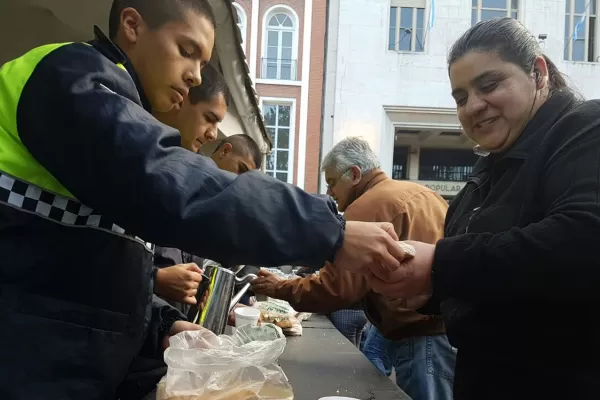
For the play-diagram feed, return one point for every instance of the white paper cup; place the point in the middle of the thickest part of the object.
(246, 316)
(337, 398)
(286, 269)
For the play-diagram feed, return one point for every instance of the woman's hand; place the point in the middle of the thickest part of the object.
(412, 281)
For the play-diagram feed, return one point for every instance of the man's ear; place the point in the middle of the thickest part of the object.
(356, 175)
(131, 25)
(223, 150)
(227, 148)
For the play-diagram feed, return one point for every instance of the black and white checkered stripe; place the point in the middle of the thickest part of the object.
(33, 199)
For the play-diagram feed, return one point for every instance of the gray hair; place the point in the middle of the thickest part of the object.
(349, 152)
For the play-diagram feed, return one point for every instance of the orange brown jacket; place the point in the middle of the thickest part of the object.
(417, 213)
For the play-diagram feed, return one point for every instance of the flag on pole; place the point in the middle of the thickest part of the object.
(578, 26)
(432, 14)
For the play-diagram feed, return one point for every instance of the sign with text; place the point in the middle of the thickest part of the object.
(444, 188)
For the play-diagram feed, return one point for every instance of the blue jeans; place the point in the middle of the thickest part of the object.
(350, 323)
(424, 365)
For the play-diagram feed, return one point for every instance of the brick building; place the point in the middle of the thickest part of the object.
(284, 41)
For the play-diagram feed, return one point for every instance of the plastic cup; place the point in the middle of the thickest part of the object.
(246, 316)
(338, 398)
(286, 269)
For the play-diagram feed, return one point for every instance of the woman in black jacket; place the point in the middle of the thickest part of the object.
(518, 275)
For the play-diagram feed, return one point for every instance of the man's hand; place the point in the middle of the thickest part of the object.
(266, 283)
(412, 280)
(369, 248)
(178, 327)
(178, 283)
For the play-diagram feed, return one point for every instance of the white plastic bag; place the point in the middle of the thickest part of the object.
(203, 366)
(283, 315)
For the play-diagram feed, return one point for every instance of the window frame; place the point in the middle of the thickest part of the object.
(289, 102)
(398, 6)
(509, 10)
(280, 9)
(573, 20)
(242, 22)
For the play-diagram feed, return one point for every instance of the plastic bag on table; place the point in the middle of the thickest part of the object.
(203, 366)
(282, 314)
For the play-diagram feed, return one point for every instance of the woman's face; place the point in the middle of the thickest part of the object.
(495, 99)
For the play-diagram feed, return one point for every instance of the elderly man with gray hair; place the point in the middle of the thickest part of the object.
(414, 344)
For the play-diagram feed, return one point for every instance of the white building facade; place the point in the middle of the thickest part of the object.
(386, 75)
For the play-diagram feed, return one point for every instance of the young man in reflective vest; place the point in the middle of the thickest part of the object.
(85, 169)
(177, 273)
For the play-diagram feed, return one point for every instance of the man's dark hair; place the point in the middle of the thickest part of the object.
(243, 145)
(156, 13)
(213, 84)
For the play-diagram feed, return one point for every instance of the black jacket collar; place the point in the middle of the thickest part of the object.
(111, 51)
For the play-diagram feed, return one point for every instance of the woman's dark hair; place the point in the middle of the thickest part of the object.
(512, 41)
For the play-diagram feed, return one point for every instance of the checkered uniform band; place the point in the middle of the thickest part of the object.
(33, 199)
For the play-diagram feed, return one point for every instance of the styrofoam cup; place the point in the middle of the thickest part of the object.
(286, 269)
(337, 398)
(246, 316)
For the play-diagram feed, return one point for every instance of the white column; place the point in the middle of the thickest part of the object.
(386, 145)
(414, 152)
(252, 60)
(330, 83)
(303, 126)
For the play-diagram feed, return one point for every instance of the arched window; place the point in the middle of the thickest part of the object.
(241, 21)
(280, 45)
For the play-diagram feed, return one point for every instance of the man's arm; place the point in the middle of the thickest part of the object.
(167, 256)
(77, 116)
(333, 289)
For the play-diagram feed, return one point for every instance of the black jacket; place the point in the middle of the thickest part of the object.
(75, 301)
(518, 274)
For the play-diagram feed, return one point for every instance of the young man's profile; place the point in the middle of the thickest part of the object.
(86, 169)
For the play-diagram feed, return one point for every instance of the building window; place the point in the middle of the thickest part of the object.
(241, 21)
(483, 10)
(580, 30)
(279, 123)
(280, 46)
(446, 165)
(399, 167)
(406, 29)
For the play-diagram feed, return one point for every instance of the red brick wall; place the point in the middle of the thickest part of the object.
(315, 88)
(315, 95)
